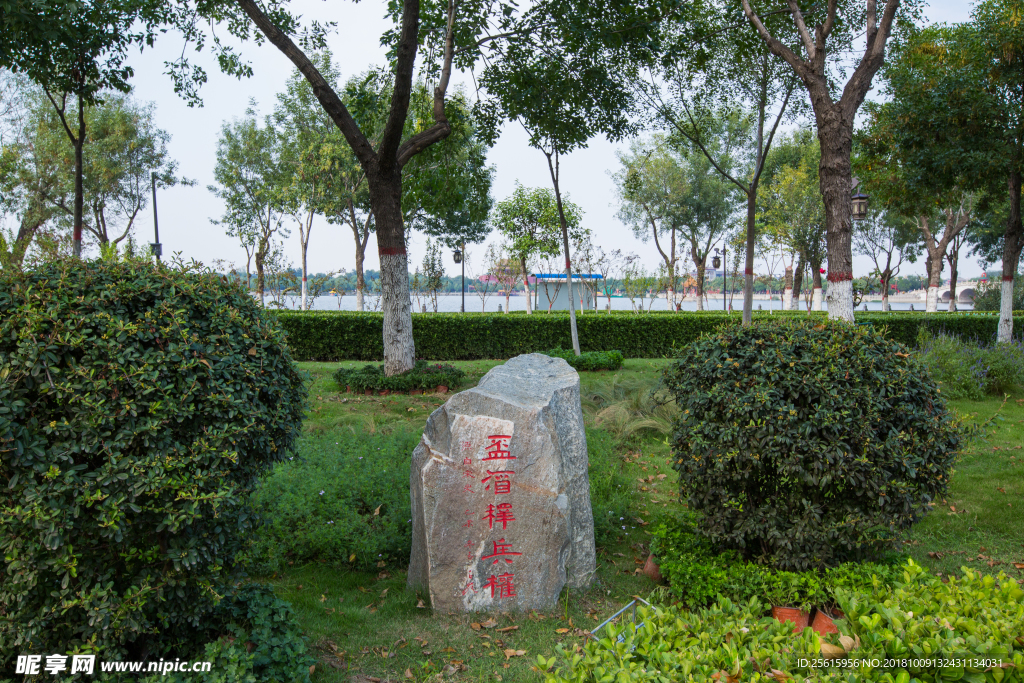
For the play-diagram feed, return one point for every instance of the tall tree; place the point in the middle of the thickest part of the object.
(252, 183)
(314, 154)
(529, 222)
(440, 31)
(711, 70)
(75, 51)
(580, 51)
(652, 187)
(957, 93)
(125, 148)
(888, 240)
(794, 213)
(833, 27)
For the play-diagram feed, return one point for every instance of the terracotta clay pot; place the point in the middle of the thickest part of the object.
(652, 570)
(368, 392)
(441, 389)
(823, 624)
(348, 389)
(383, 392)
(798, 617)
(415, 392)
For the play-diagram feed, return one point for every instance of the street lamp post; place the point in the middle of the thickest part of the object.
(155, 247)
(458, 258)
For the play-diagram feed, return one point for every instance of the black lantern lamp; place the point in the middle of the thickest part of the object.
(716, 262)
(860, 206)
(457, 256)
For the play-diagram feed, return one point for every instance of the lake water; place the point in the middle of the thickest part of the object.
(450, 303)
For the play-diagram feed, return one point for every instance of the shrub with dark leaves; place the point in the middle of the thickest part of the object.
(808, 444)
(138, 407)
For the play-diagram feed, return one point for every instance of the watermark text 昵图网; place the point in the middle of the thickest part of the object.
(31, 665)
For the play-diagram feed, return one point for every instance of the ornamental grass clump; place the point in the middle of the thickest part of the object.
(139, 405)
(805, 445)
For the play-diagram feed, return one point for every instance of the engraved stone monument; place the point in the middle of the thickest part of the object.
(500, 492)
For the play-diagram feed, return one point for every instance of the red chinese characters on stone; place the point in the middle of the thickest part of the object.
(503, 515)
(502, 482)
(501, 550)
(503, 582)
(498, 449)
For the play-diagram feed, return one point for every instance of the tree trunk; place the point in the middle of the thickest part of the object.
(835, 136)
(700, 282)
(953, 258)
(1013, 240)
(787, 291)
(798, 282)
(360, 252)
(79, 191)
(934, 265)
(261, 254)
(305, 245)
(526, 284)
(386, 200)
(748, 267)
(816, 280)
(883, 281)
(565, 245)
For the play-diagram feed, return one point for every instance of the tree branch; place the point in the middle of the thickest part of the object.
(774, 44)
(406, 57)
(329, 99)
(798, 18)
(441, 128)
(874, 54)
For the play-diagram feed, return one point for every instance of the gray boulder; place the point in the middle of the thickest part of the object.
(500, 492)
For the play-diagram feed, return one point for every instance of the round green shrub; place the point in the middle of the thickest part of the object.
(138, 407)
(805, 445)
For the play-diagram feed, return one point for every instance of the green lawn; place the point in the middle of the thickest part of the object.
(368, 624)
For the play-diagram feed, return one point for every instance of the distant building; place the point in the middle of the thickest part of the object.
(549, 288)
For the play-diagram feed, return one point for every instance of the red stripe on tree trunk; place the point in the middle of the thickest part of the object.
(1007, 278)
(390, 251)
(748, 271)
(839, 277)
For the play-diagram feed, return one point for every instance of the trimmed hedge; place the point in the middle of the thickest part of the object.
(343, 335)
(589, 360)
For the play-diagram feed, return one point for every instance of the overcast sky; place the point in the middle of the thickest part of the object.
(185, 212)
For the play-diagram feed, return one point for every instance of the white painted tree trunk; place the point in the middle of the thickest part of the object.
(816, 299)
(787, 299)
(359, 300)
(304, 271)
(399, 348)
(1005, 330)
(931, 304)
(529, 308)
(840, 300)
(885, 303)
(700, 303)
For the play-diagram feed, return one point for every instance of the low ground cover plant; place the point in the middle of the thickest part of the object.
(970, 368)
(807, 444)
(344, 498)
(913, 620)
(589, 360)
(423, 377)
(138, 407)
